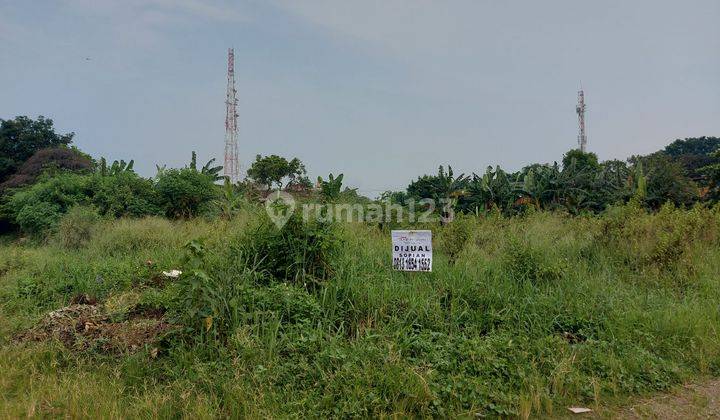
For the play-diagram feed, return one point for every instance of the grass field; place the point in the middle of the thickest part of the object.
(520, 317)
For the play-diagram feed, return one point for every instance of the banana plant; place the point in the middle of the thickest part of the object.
(116, 168)
(493, 189)
(193, 161)
(231, 201)
(103, 169)
(330, 189)
(212, 171)
(449, 190)
(640, 183)
(208, 169)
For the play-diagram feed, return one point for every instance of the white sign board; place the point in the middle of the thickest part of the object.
(412, 250)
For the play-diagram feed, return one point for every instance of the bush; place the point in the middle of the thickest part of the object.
(125, 194)
(214, 303)
(38, 208)
(217, 306)
(76, 227)
(37, 217)
(659, 241)
(453, 237)
(185, 192)
(296, 252)
(126, 236)
(539, 312)
(524, 262)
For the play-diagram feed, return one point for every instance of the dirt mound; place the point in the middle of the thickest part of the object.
(86, 327)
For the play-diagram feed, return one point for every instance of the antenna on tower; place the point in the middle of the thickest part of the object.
(580, 109)
(231, 169)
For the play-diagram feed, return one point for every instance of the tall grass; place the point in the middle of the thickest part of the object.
(519, 317)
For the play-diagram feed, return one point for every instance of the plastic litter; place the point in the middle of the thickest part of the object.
(173, 274)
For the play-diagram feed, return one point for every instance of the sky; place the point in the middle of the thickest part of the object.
(381, 90)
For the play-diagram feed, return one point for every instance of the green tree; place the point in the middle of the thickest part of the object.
(665, 180)
(494, 188)
(394, 197)
(444, 185)
(117, 167)
(300, 183)
(212, 171)
(693, 154)
(613, 184)
(712, 172)
(21, 137)
(444, 188)
(541, 184)
(577, 160)
(578, 181)
(640, 181)
(274, 169)
(693, 146)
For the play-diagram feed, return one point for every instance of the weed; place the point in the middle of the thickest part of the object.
(454, 236)
(524, 262)
(299, 251)
(76, 227)
(530, 314)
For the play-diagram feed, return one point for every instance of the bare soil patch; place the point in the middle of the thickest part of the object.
(691, 401)
(84, 326)
(698, 400)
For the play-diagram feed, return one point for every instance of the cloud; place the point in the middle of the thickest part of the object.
(11, 31)
(395, 24)
(204, 9)
(145, 23)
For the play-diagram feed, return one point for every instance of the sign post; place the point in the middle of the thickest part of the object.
(412, 250)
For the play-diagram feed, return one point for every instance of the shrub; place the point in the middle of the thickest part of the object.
(296, 252)
(215, 304)
(453, 237)
(76, 227)
(659, 241)
(185, 192)
(37, 217)
(125, 194)
(39, 207)
(524, 262)
(148, 234)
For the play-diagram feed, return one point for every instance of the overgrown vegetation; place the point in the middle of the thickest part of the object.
(298, 252)
(520, 315)
(571, 283)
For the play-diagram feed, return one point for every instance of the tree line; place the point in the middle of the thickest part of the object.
(43, 176)
(685, 172)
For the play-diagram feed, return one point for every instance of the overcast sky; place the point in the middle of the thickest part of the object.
(382, 90)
